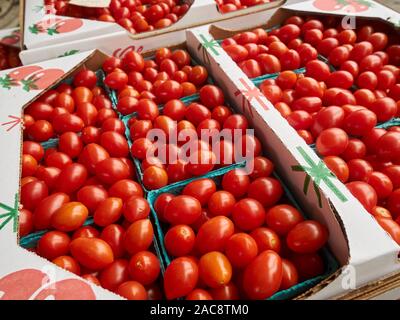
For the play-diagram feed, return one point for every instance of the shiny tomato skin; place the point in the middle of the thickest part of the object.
(57, 159)
(25, 222)
(266, 190)
(46, 208)
(213, 234)
(266, 239)
(125, 189)
(34, 149)
(307, 237)
(332, 142)
(221, 203)
(290, 276)
(241, 249)
(263, 276)
(115, 144)
(139, 236)
(283, 218)
(390, 227)
(179, 240)
(113, 234)
(199, 294)
(161, 203)
(364, 193)
(108, 211)
(180, 277)
(86, 232)
(53, 244)
(68, 263)
(338, 166)
(182, 209)
(91, 155)
(236, 182)
(215, 269)
(40, 131)
(33, 193)
(69, 217)
(71, 144)
(92, 253)
(115, 274)
(67, 122)
(201, 189)
(144, 267)
(111, 170)
(155, 178)
(91, 196)
(29, 165)
(136, 208)
(71, 178)
(132, 290)
(248, 214)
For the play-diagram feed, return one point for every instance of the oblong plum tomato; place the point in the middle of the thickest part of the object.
(215, 269)
(32, 194)
(53, 244)
(136, 208)
(108, 211)
(139, 236)
(307, 237)
(182, 209)
(179, 240)
(364, 193)
(144, 267)
(283, 218)
(263, 276)
(201, 189)
(248, 214)
(71, 178)
(114, 275)
(332, 142)
(111, 170)
(113, 234)
(180, 277)
(91, 196)
(241, 249)
(69, 217)
(92, 253)
(125, 189)
(213, 234)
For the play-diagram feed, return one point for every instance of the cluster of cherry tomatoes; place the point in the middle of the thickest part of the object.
(233, 5)
(238, 239)
(9, 57)
(142, 84)
(134, 15)
(88, 173)
(337, 101)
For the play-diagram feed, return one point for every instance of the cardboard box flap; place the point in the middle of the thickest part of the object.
(20, 85)
(360, 8)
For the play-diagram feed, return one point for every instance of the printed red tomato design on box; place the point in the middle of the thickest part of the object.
(31, 78)
(34, 284)
(344, 5)
(53, 26)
